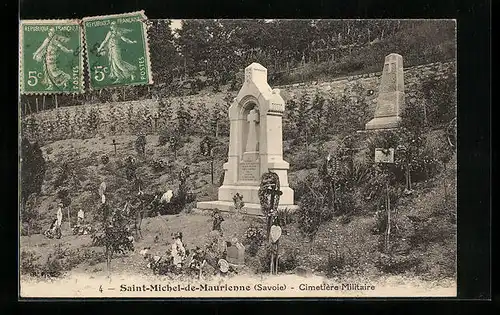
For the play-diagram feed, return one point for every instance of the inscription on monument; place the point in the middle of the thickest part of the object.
(249, 171)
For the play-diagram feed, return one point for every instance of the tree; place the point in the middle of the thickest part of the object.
(313, 207)
(92, 123)
(32, 169)
(113, 233)
(140, 144)
(29, 212)
(162, 47)
(175, 142)
(441, 101)
(290, 120)
(184, 120)
(318, 122)
(304, 122)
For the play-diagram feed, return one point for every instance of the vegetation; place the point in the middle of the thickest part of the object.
(341, 191)
(212, 53)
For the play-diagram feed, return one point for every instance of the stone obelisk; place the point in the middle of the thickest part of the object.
(390, 100)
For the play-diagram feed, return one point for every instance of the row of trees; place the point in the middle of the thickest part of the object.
(211, 52)
(222, 47)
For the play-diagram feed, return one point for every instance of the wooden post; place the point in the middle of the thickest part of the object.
(387, 240)
(55, 100)
(425, 114)
(217, 129)
(36, 104)
(29, 106)
(69, 219)
(272, 261)
(409, 175)
(43, 102)
(212, 164)
(445, 185)
(276, 258)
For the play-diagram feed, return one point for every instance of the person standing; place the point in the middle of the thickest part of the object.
(80, 217)
(178, 251)
(59, 215)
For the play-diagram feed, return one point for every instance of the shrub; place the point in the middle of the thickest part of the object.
(284, 217)
(52, 267)
(32, 169)
(113, 233)
(288, 260)
(303, 161)
(397, 264)
(158, 165)
(335, 263)
(105, 159)
(312, 212)
(140, 144)
(29, 263)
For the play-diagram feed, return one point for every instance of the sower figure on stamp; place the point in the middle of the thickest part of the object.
(119, 69)
(48, 53)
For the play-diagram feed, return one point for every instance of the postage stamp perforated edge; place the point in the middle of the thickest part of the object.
(21, 45)
(145, 27)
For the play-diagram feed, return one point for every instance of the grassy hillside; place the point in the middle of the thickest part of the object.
(344, 245)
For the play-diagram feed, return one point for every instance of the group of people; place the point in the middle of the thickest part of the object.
(178, 258)
(55, 227)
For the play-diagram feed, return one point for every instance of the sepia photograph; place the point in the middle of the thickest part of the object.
(222, 158)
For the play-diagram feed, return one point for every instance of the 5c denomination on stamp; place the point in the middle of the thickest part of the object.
(51, 57)
(117, 50)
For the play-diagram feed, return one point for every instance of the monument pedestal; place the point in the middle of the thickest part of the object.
(383, 123)
(249, 208)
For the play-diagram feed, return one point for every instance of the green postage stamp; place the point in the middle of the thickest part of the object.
(117, 50)
(51, 57)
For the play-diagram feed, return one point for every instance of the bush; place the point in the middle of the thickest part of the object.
(335, 263)
(302, 161)
(158, 165)
(29, 263)
(105, 159)
(312, 212)
(140, 144)
(32, 169)
(52, 268)
(284, 217)
(397, 264)
(288, 260)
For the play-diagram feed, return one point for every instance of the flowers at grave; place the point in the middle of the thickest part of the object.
(105, 159)
(198, 259)
(238, 202)
(254, 237)
(158, 165)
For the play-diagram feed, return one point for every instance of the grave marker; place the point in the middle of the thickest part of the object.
(255, 145)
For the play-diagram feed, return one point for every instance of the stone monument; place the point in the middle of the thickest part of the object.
(390, 100)
(255, 144)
